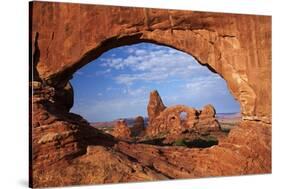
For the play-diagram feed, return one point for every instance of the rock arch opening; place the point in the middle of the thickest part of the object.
(183, 116)
(228, 44)
(117, 86)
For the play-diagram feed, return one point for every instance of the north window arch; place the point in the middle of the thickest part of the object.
(121, 79)
(201, 49)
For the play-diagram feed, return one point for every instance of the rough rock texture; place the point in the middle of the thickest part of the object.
(235, 155)
(155, 106)
(64, 37)
(57, 134)
(207, 119)
(138, 129)
(238, 47)
(178, 118)
(100, 164)
(121, 130)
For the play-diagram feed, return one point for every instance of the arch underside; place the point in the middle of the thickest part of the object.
(237, 47)
(209, 53)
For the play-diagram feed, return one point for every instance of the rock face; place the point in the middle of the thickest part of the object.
(64, 37)
(155, 106)
(121, 130)
(176, 119)
(237, 47)
(138, 128)
(207, 119)
(234, 156)
(57, 134)
(99, 163)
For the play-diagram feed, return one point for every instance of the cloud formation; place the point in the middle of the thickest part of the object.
(152, 64)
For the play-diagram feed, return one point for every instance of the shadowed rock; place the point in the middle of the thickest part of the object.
(138, 128)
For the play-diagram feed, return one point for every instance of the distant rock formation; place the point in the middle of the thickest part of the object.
(207, 119)
(155, 106)
(138, 128)
(121, 130)
(178, 118)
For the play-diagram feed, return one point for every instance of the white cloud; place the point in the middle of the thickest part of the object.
(140, 52)
(205, 86)
(115, 63)
(138, 92)
(131, 49)
(108, 88)
(129, 79)
(153, 64)
(98, 73)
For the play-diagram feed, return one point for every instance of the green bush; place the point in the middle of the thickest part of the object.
(179, 142)
(201, 142)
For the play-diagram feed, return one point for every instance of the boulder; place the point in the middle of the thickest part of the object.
(207, 119)
(121, 130)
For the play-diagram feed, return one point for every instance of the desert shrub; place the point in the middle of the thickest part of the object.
(179, 142)
(146, 137)
(209, 138)
(161, 135)
(201, 142)
(155, 141)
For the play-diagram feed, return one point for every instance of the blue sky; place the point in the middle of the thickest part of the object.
(118, 83)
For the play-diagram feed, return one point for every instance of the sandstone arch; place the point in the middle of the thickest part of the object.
(225, 44)
(174, 112)
(168, 120)
(64, 37)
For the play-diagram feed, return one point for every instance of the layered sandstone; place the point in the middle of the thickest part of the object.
(98, 165)
(64, 37)
(237, 47)
(121, 130)
(233, 156)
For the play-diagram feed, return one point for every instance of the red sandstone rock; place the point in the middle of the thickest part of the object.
(208, 111)
(155, 106)
(237, 47)
(207, 120)
(169, 121)
(138, 128)
(241, 154)
(99, 164)
(235, 155)
(121, 130)
(228, 44)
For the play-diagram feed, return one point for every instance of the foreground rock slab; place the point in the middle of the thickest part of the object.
(239, 154)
